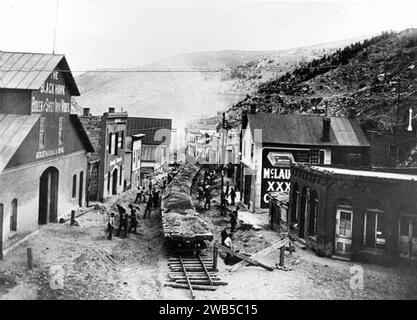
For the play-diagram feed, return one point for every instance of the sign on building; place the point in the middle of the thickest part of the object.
(276, 173)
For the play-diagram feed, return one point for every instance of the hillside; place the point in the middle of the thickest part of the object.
(186, 95)
(362, 75)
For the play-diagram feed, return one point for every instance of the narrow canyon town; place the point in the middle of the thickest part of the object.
(146, 154)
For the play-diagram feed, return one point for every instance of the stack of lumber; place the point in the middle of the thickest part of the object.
(180, 221)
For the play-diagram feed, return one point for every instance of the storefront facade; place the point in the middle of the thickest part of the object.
(356, 214)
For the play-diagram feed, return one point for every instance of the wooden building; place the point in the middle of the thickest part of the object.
(155, 144)
(133, 160)
(43, 148)
(357, 214)
(271, 143)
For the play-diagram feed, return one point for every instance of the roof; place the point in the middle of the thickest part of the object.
(363, 173)
(307, 130)
(82, 133)
(13, 130)
(149, 127)
(21, 70)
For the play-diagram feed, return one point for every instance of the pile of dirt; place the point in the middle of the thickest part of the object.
(184, 225)
(176, 196)
(179, 217)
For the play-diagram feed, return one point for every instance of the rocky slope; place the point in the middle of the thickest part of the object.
(363, 75)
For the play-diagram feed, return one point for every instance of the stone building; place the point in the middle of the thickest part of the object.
(43, 148)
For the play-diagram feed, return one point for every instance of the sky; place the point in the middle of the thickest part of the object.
(97, 34)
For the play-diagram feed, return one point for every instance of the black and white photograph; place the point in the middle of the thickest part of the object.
(208, 155)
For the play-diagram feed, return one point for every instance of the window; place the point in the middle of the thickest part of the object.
(375, 229)
(120, 178)
(13, 216)
(381, 232)
(122, 140)
(252, 149)
(74, 185)
(315, 156)
(117, 144)
(108, 181)
(302, 156)
(41, 133)
(345, 227)
(110, 143)
(314, 204)
(61, 130)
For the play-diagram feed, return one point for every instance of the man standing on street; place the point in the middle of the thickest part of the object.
(133, 219)
(122, 221)
(208, 198)
(138, 198)
(232, 196)
(110, 226)
(148, 207)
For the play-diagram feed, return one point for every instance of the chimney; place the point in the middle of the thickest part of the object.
(86, 112)
(252, 109)
(112, 109)
(352, 112)
(326, 129)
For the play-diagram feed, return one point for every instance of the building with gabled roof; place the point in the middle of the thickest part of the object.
(271, 142)
(43, 148)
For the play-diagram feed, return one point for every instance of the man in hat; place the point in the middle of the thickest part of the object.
(122, 221)
(148, 206)
(133, 219)
(110, 226)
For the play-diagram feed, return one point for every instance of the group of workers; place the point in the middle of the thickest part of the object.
(128, 223)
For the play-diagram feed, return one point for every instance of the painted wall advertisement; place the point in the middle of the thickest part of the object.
(53, 96)
(276, 173)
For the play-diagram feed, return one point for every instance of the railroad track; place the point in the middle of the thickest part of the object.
(194, 273)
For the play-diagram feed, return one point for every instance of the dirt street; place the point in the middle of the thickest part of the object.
(136, 267)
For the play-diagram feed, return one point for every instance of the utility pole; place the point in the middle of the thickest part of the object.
(222, 195)
(398, 103)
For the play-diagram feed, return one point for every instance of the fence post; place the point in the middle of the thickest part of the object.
(72, 217)
(215, 255)
(30, 258)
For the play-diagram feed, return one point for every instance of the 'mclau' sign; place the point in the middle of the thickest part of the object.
(276, 174)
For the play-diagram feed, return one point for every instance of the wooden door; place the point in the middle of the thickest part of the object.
(344, 220)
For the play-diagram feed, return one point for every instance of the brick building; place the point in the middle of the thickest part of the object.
(43, 148)
(107, 164)
(358, 214)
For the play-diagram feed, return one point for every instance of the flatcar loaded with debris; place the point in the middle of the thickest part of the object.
(182, 226)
